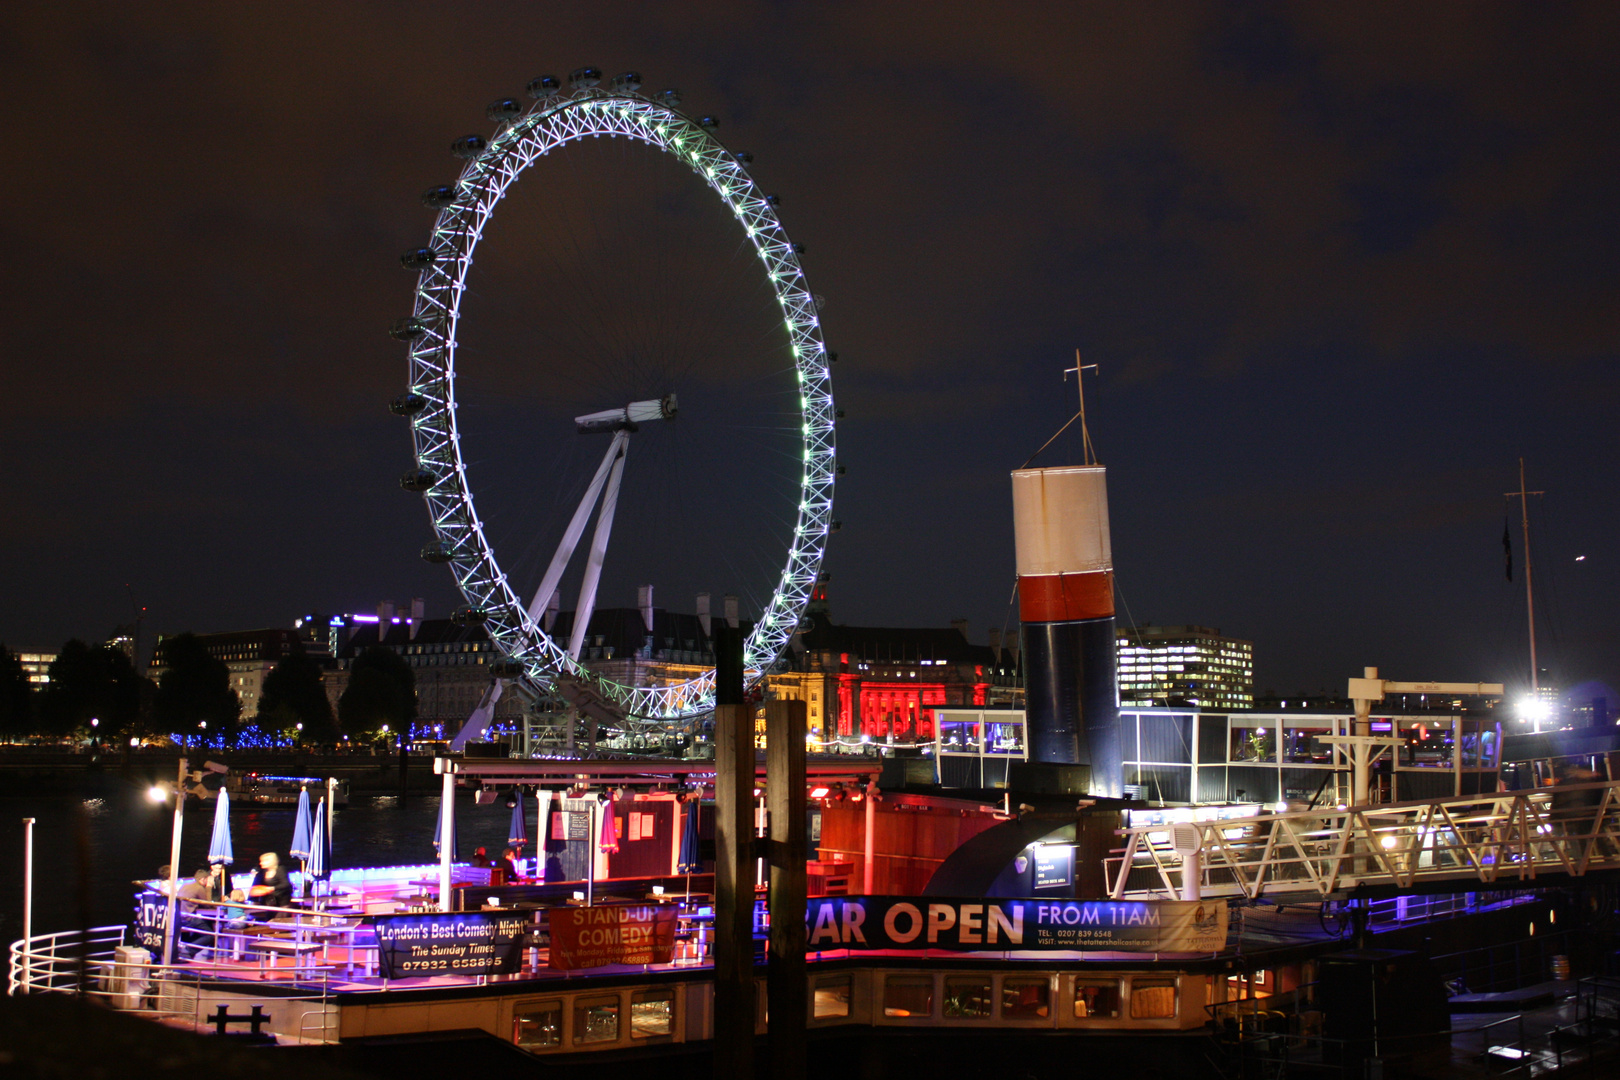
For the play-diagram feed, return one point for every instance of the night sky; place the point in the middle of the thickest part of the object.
(1340, 267)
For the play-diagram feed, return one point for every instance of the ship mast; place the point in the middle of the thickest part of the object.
(1529, 596)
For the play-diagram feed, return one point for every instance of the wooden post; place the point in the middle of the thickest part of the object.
(785, 987)
(733, 863)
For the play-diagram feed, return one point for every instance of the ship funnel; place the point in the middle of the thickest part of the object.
(1066, 605)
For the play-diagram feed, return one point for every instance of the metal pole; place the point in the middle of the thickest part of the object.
(591, 841)
(174, 863)
(28, 900)
(1529, 599)
(785, 729)
(1360, 751)
(870, 854)
(447, 819)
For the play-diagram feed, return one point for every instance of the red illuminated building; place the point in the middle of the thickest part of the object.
(884, 683)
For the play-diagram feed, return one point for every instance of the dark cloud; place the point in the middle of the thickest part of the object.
(1340, 265)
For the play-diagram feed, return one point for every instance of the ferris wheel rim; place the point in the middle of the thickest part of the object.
(465, 209)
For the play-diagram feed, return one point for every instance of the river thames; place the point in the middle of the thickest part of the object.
(90, 848)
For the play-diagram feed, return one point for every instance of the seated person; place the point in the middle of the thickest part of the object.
(271, 884)
(233, 912)
(195, 923)
(194, 890)
(508, 865)
(480, 859)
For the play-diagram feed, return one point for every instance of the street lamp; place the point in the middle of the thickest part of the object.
(157, 793)
(185, 782)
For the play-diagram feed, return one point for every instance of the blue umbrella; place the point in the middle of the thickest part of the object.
(689, 860)
(320, 847)
(438, 835)
(518, 832)
(219, 845)
(300, 848)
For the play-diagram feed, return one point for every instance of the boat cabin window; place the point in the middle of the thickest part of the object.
(537, 1025)
(652, 1014)
(832, 996)
(1153, 999)
(1252, 744)
(1095, 998)
(596, 1020)
(967, 997)
(908, 995)
(1026, 998)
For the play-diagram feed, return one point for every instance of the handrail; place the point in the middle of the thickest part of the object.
(95, 964)
(1500, 836)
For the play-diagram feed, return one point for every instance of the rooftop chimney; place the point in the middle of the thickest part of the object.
(730, 608)
(418, 612)
(960, 625)
(703, 613)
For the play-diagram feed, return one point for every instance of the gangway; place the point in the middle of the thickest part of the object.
(1487, 840)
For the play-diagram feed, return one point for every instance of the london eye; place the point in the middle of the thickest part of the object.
(635, 343)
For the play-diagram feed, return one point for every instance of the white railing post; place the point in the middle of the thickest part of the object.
(28, 900)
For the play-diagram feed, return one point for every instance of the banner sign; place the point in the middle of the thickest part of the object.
(1054, 866)
(913, 922)
(151, 917)
(586, 937)
(454, 943)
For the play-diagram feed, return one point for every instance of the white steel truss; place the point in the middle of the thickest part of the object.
(466, 209)
(1484, 839)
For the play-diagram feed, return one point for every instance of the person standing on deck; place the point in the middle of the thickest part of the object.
(271, 885)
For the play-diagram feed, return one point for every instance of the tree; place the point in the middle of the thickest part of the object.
(90, 682)
(194, 696)
(293, 694)
(381, 690)
(16, 697)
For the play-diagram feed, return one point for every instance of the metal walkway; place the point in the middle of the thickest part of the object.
(1471, 840)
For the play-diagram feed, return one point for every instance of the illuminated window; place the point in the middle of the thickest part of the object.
(1153, 999)
(1026, 998)
(908, 995)
(596, 1020)
(1094, 998)
(652, 1014)
(537, 1025)
(833, 996)
(966, 998)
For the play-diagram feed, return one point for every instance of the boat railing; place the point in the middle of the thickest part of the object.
(1501, 837)
(105, 965)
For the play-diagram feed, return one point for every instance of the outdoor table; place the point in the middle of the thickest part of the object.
(300, 951)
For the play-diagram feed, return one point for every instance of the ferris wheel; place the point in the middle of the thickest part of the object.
(628, 402)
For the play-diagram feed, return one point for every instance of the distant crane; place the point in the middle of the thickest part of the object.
(135, 638)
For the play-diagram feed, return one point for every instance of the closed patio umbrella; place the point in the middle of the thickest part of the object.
(517, 834)
(690, 862)
(319, 867)
(219, 843)
(609, 840)
(301, 827)
(300, 848)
